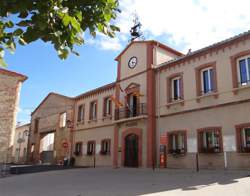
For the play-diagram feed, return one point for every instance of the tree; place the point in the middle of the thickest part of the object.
(60, 22)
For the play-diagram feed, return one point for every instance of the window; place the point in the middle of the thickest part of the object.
(19, 135)
(36, 126)
(80, 116)
(105, 147)
(78, 148)
(177, 142)
(93, 110)
(91, 148)
(62, 121)
(207, 80)
(107, 107)
(244, 70)
(243, 137)
(209, 140)
(32, 148)
(175, 87)
(24, 152)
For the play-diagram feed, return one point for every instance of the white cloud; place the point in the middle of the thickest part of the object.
(105, 43)
(186, 23)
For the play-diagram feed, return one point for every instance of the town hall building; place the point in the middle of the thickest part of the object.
(165, 109)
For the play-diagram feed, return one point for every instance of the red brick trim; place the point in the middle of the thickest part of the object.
(138, 132)
(238, 129)
(169, 143)
(198, 77)
(233, 59)
(81, 152)
(208, 129)
(104, 114)
(77, 112)
(116, 129)
(119, 70)
(169, 86)
(94, 146)
(90, 109)
(151, 128)
(106, 140)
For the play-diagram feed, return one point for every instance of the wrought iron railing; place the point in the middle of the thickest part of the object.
(129, 112)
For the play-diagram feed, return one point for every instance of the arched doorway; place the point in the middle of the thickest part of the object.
(131, 151)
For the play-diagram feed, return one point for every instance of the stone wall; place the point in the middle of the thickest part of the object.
(10, 84)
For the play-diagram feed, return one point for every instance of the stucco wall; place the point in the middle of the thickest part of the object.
(97, 135)
(23, 133)
(86, 101)
(225, 92)
(139, 50)
(226, 117)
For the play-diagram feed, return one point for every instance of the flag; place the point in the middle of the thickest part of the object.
(117, 102)
(138, 94)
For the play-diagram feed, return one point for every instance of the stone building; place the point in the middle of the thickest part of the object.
(20, 143)
(49, 131)
(168, 109)
(10, 86)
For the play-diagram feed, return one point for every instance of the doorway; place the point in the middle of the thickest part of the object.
(131, 151)
(132, 105)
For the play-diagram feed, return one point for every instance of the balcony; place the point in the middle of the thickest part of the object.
(131, 112)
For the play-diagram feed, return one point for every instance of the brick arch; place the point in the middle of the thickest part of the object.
(138, 132)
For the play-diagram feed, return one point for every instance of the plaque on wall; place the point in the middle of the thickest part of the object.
(131, 124)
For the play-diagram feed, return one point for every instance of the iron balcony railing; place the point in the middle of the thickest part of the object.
(129, 112)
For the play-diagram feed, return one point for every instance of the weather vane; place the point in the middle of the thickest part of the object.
(135, 30)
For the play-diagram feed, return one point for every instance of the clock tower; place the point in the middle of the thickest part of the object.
(135, 127)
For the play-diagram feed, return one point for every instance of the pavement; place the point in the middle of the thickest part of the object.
(124, 181)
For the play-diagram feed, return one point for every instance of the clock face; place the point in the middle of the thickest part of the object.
(132, 62)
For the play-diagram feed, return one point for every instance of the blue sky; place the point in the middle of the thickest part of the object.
(180, 24)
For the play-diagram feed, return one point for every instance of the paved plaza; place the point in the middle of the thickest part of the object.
(108, 182)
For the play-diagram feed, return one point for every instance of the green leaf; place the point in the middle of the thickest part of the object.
(79, 16)
(18, 32)
(66, 20)
(9, 24)
(23, 14)
(23, 23)
(63, 53)
(1, 53)
(2, 63)
(75, 24)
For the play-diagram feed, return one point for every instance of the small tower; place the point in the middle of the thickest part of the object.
(135, 30)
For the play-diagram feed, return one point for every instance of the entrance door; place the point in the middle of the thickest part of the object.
(131, 151)
(132, 104)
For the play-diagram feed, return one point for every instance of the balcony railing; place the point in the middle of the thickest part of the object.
(129, 112)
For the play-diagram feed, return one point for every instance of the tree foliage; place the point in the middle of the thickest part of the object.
(60, 22)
